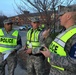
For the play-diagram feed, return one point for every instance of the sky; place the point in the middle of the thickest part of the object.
(8, 7)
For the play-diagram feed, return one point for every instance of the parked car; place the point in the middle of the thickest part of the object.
(29, 27)
(22, 28)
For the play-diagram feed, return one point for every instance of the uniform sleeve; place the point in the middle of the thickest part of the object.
(19, 43)
(26, 39)
(37, 49)
(68, 61)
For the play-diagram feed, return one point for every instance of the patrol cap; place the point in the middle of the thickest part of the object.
(62, 12)
(35, 19)
(7, 21)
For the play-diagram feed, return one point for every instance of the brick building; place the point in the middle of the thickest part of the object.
(26, 16)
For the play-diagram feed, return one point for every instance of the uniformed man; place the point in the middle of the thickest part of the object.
(10, 42)
(62, 51)
(35, 62)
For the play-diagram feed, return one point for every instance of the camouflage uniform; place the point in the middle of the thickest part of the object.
(35, 65)
(36, 61)
(68, 63)
(11, 60)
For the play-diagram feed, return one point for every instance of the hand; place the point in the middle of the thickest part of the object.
(45, 33)
(29, 51)
(46, 53)
(24, 47)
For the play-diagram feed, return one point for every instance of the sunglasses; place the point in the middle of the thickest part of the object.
(36, 22)
(9, 23)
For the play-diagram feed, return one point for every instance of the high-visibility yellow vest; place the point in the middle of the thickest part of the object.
(58, 45)
(8, 42)
(33, 38)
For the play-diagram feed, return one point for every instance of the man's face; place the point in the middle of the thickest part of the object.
(63, 19)
(35, 25)
(8, 26)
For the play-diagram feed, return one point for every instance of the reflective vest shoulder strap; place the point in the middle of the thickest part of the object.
(68, 34)
(15, 33)
(29, 33)
(1, 32)
(63, 39)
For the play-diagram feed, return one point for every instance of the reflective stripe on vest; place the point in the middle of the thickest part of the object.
(8, 42)
(58, 45)
(33, 38)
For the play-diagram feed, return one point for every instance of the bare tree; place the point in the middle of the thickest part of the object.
(45, 8)
(2, 18)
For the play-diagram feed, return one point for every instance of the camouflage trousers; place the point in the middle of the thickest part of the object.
(11, 62)
(55, 71)
(35, 65)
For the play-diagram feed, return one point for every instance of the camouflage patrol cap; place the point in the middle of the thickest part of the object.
(7, 21)
(35, 19)
(62, 12)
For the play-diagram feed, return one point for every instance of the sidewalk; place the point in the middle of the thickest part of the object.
(18, 71)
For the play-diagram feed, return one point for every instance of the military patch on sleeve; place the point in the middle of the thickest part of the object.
(72, 52)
